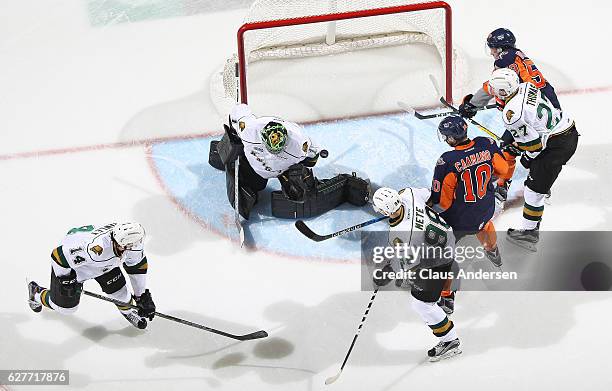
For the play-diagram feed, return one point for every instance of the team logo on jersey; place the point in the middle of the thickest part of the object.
(241, 125)
(509, 115)
(305, 147)
(440, 162)
(97, 250)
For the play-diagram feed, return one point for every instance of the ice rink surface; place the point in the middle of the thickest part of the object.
(106, 115)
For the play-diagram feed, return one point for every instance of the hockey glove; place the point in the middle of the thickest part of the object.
(69, 286)
(466, 109)
(526, 161)
(146, 307)
(510, 148)
(381, 278)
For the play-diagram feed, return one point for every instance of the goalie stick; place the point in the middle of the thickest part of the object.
(255, 335)
(236, 202)
(310, 234)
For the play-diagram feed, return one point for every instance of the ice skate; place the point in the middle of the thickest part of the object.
(444, 350)
(33, 289)
(494, 256)
(525, 238)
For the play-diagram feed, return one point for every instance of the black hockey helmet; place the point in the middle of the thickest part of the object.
(453, 126)
(501, 38)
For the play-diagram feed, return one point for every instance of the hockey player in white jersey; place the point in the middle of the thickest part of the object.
(546, 138)
(98, 252)
(413, 223)
(270, 147)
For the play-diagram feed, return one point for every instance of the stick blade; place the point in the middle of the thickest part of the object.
(256, 335)
(306, 231)
(404, 106)
(332, 379)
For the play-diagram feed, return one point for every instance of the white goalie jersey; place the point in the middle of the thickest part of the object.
(532, 119)
(88, 250)
(267, 164)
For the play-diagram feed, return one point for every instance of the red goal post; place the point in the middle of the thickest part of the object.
(350, 15)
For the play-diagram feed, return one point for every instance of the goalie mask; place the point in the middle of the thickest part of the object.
(274, 136)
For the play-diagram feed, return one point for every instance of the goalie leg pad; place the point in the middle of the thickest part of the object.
(213, 156)
(328, 194)
(357, 190)
(249, 183)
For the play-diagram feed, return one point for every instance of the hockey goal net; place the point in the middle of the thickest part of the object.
(286, 30)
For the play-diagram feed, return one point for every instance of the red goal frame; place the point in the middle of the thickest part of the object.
(241, 66)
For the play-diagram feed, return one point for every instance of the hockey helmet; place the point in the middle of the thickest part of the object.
(274, 136)
(501, 38)
(386, 201)
(504, 83)
(127, 235)
(453, 126)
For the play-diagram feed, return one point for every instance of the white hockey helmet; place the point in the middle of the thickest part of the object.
(386, 201)
(127, 235)
(504, 82)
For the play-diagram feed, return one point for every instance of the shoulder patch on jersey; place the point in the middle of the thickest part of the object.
(241, 125)
(97, 250)
(440, 161)
(305, 147)
(509, 115)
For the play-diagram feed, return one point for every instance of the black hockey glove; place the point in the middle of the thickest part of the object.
(69, 286)
(146, 307)
(526, 161)
(466, 109)
(382, 279)
(510, 148)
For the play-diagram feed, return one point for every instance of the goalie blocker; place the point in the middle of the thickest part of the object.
(302, 194)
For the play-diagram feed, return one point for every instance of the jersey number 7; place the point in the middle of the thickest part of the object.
(482, 176)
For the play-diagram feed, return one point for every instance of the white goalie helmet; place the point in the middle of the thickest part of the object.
(386, 201)
(128, 234)
(504, 82)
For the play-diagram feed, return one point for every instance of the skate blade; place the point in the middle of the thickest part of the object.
(521, 243)
(34, 306)
(451, 353)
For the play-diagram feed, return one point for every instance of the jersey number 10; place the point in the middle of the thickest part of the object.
(482, 175)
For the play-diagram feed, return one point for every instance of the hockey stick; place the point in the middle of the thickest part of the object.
(480, 126)
(404, 106)
(310, 234)
(436, 87)
(236, 201)
(256, 335)
(332, 379)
